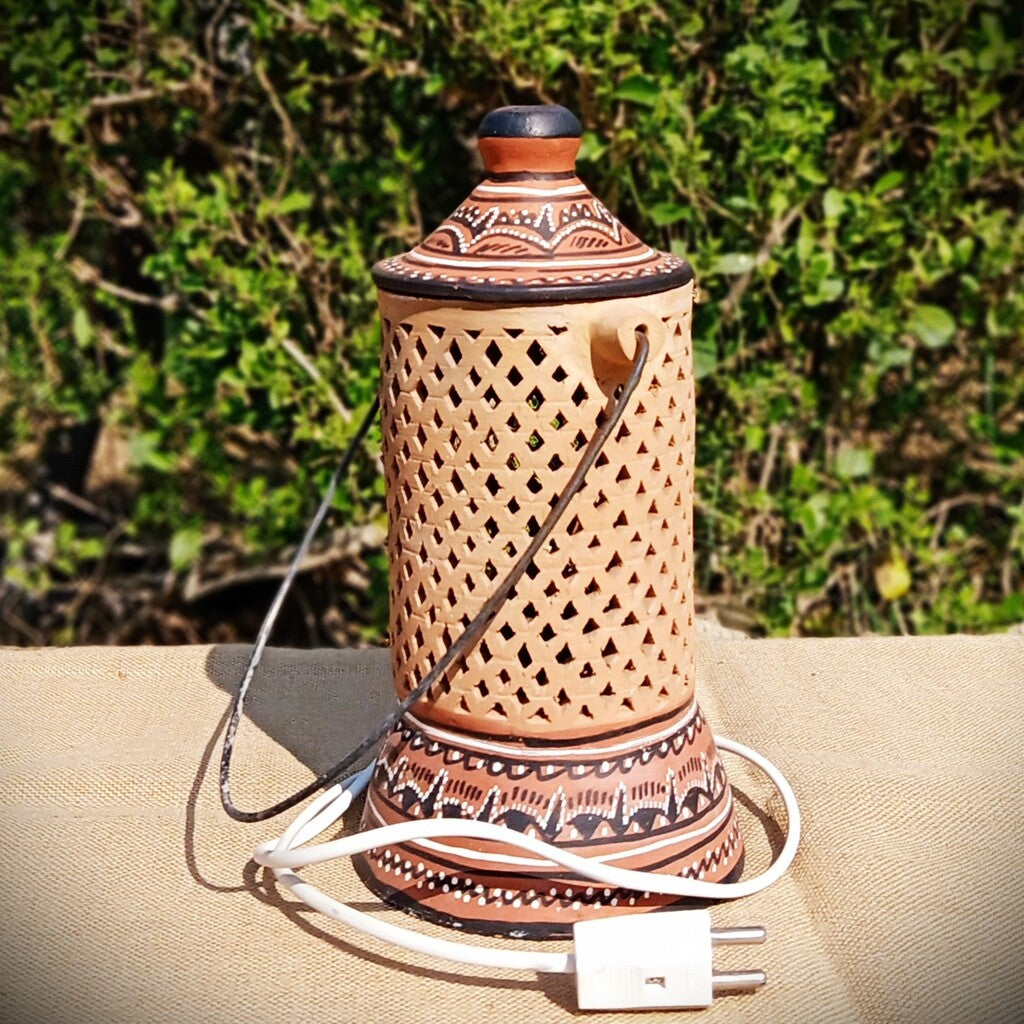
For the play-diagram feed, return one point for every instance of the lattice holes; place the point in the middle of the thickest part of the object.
(483, 426)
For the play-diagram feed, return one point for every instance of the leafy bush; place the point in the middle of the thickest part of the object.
(192, 193)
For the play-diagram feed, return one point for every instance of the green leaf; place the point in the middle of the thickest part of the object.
(185, 548)
(893, 578)
(293, 202)
(667, 213)
(854, 463)
(63, 130)
(81, 328)
(433, 85)
(887, 182)
(828, 290)
(963, 251)
(933, 325)
(785, 11)
(592, 147)
(833, 203)
(639, 89)
(753, 437)
(705, 357)
(146, 452)
(733, 263)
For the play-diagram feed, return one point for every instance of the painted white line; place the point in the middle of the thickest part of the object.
(539, 193)
(497, 264)
(540, 753)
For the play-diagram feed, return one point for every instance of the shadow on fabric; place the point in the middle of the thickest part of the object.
(315, 704)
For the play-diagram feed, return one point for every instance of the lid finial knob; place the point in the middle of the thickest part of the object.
(529, 139)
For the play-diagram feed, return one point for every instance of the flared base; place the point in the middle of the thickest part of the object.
(656, 800)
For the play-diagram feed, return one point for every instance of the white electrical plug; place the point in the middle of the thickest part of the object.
(656, 960)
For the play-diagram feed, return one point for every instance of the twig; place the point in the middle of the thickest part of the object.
(301, 21)
(51, 365)
(943, 508)
(776, 233)
(307, 364)
(17, 623)
(88, 274)
(901, 622)
(291, 139)
(117, 191)
(93, 584)
(947, 36)
(775, 435)
(72, 233)
(940, 511)
(1006, 567)
(852, 592)
(130, 99)
(351, 541)
(210, 32)
(61, 493)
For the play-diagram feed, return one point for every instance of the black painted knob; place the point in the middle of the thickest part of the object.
(541, 121)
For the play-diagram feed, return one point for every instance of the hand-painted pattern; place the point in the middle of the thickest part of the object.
(532, 240)
(660, 802)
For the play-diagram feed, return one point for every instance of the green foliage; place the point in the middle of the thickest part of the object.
(192, 193)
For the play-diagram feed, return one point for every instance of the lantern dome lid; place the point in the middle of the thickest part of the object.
(531, 231)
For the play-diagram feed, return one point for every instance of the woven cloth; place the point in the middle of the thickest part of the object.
(128, 895)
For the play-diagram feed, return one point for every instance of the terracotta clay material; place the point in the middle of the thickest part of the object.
(574, 718)
(531, 232)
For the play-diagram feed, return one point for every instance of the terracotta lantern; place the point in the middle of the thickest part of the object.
(574, 718)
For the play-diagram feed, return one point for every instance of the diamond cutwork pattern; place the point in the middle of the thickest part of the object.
(482, 429)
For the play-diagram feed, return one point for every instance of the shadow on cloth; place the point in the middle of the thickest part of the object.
(262, 884)
(316, 704)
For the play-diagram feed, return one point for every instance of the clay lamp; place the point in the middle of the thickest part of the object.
(508, 333)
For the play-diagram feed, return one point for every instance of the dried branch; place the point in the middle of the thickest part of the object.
(941, 509)
(67, 497)
(72, 233)
(137, 96)
(768, 466)
(347, 542)
(308, 365)
(88, 274)
(291, 139)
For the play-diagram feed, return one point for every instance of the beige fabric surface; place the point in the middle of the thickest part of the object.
(127, 895)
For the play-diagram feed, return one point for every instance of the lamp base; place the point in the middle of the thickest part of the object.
(655, 799)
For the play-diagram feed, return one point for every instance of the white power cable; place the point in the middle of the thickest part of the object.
(289, 853)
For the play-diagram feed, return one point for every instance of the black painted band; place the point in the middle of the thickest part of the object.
(520, 295)
(507, 176)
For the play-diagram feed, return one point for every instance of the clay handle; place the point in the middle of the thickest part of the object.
(622, 348)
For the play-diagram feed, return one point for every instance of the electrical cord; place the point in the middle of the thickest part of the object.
(286, 855)
(466, 639)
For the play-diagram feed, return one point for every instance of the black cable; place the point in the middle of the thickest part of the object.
(464, 642)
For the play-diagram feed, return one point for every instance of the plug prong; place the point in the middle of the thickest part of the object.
(737, 936)
(733, 981)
